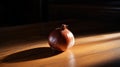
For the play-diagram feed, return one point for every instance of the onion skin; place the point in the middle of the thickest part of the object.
(61, 38)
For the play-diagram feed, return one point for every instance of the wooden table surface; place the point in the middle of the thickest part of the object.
(27, 47)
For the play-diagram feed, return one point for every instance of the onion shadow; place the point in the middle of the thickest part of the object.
(31, 54)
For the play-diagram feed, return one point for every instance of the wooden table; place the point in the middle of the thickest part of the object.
(26, 46)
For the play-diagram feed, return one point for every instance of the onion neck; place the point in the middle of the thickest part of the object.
(64, 26)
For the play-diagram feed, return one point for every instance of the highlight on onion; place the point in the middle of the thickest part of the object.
(61, 38)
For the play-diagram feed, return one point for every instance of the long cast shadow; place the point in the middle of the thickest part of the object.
(31, 54)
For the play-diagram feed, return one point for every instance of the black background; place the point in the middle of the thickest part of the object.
(19, 12)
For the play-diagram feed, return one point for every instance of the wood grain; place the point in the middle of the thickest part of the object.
(26, 46)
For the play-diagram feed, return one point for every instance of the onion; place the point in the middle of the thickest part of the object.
(61, 38)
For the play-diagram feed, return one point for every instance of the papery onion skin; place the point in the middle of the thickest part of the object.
(61, 38)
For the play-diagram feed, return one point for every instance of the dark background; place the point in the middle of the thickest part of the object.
(19, 12)
(22, 12)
